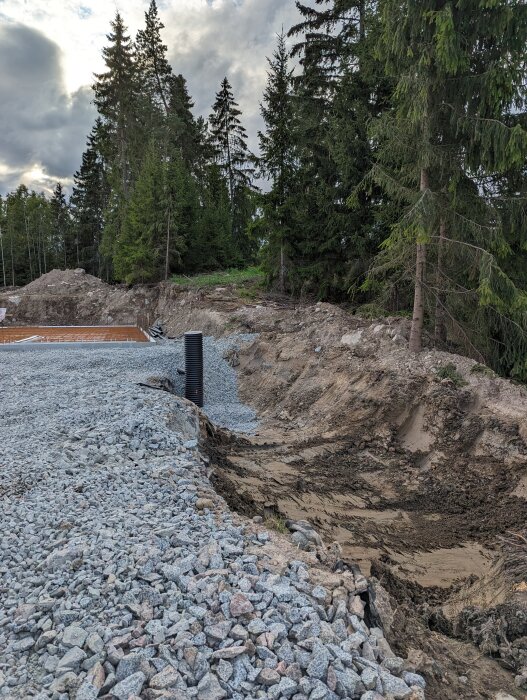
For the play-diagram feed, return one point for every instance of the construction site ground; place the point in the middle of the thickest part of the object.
(415, 466)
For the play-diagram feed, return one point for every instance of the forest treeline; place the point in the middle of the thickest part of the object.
(394, 150)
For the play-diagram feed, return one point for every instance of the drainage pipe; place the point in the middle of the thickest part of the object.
(194, 367)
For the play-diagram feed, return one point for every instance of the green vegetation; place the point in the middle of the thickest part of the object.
(252, 275)
(483, 370)
(451, 372)
(277, 523)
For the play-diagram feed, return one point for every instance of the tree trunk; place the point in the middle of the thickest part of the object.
(416, 334)
(362, 20)
(440, 317)
(281, 279)
(167, 255)
(2, 252)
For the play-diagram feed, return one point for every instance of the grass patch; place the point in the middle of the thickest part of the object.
(450, 371)
(221, 278)
(482, 369)
(277, 523)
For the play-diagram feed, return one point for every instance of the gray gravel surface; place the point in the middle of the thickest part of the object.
(123, 575)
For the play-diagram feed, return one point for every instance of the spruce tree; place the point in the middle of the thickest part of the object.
(458, 72)
(3, 254)
(184, 132)
(88, 203)
(340, 87)
(277, 159)
(121, 107)
(117, 94)
(211, 246)
(137, 253)
(229, 140)
(152, 62)
(61, 223)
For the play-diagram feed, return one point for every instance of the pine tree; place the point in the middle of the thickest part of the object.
(277, 159)
(230, 144)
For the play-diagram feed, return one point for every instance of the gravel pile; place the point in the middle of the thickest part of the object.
(123, 575)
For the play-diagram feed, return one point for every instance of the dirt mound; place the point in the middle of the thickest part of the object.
(72, 297)
(65, 282)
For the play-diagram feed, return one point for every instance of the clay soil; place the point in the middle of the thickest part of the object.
(418, 473)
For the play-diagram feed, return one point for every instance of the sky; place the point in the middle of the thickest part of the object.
(50, 49)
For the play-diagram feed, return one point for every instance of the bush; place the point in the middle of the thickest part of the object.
(450, 371)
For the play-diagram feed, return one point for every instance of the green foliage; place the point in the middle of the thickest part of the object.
(483, 370)
(229, 146)
(277, 161)
(136, 253)
(451, 372)
(251, 275)
(452, 133)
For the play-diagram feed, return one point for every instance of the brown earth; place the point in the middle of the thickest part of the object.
(422, 480)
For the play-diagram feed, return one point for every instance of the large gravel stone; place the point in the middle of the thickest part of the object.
(129, 686)
(210, 689)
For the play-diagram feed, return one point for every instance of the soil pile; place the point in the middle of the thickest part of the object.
(65, 282)
(72, 297)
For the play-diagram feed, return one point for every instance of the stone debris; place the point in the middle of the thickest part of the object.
(125, 576)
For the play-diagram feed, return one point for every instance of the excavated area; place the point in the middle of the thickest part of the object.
(419, 474)
(421, 480)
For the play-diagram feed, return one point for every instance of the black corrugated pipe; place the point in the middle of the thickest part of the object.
(194, 367)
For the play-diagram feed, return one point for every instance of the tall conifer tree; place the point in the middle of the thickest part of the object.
(88, 203)
(229, 140)
(152, 62)
(458, 72)
(277, 159)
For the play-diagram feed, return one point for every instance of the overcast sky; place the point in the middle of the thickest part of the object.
(49, 50)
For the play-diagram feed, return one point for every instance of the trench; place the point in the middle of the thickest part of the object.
(432, 549)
